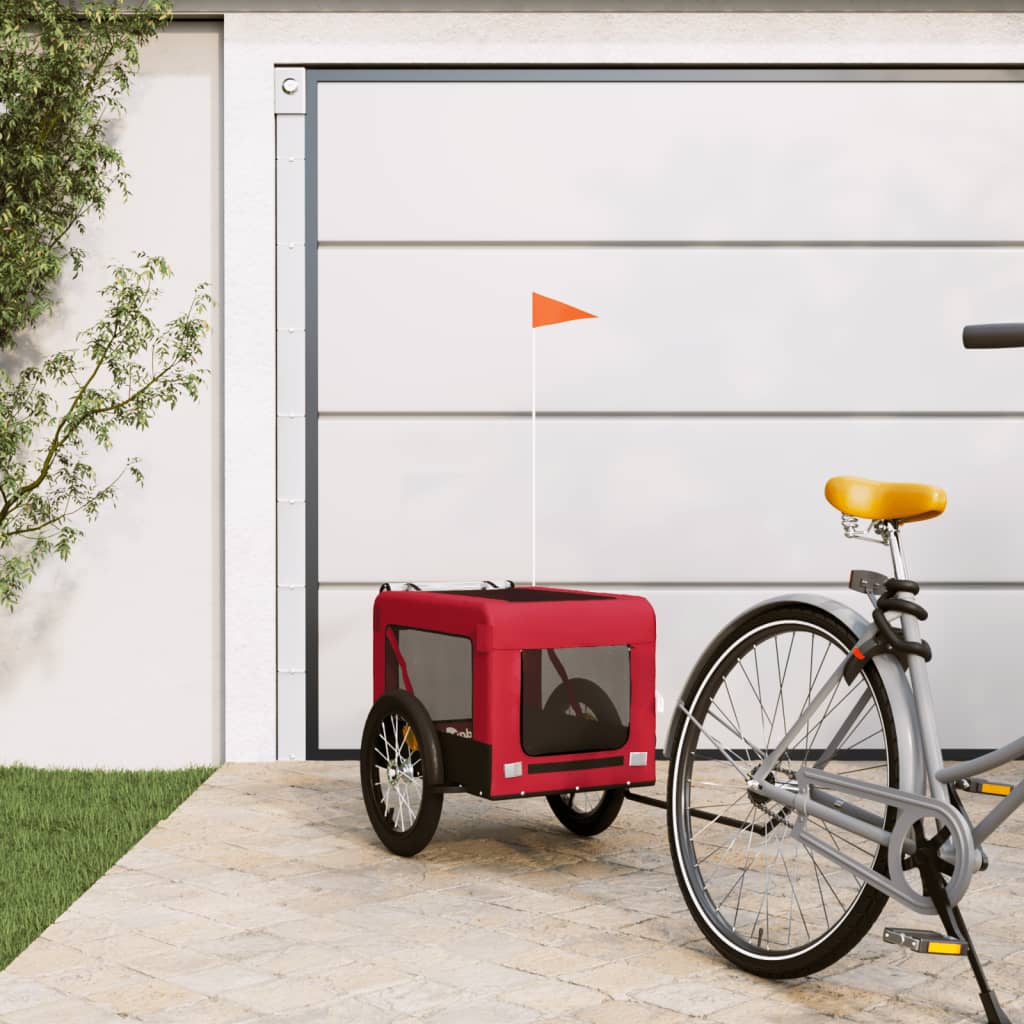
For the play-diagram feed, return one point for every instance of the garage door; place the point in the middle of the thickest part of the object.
(781, 264)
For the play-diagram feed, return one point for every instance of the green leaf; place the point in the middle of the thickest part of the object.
(126, 369)
(62, 76)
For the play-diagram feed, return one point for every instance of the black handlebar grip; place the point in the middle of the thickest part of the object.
(994, 336)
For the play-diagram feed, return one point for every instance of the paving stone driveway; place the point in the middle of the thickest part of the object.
(266, 897)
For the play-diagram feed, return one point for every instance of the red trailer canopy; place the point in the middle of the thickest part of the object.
(532, 689)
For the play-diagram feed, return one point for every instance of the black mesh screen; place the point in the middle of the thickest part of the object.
(575, 700)
(438, 669)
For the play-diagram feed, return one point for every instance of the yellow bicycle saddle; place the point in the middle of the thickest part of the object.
(871, 499)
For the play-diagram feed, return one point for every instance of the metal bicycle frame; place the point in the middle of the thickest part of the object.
(924, 781)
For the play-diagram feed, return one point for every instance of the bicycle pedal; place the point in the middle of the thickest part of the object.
(918, 941)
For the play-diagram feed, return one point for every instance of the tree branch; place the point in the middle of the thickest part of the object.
(15, 499)
(67, 512)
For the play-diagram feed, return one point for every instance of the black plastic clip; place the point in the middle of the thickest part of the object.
(889, 638)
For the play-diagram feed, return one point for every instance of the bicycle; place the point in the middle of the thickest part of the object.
(806, 784)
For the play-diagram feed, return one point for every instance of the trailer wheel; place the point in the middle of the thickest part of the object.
(400, 767)
(591, 812)
(587, 813)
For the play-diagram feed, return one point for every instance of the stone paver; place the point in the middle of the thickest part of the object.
(266, 897)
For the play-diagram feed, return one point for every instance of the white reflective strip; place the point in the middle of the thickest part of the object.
(637, 758)
(513, 769)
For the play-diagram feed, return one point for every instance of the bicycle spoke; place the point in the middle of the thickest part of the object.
(825, 879)
(730, 759)
(764, 901)
(746, 743)
(833, 837)
(717, 817)
(728, 848)
(742, 878)
(795, 900)
(755, 692)
(861, 742)
(812, 678)
(728, 693)
(780, 703)
(723, 902)
(818, 876)
(866, 768)
(828, 711)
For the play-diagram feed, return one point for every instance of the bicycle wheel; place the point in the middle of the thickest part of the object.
(763, 899)
(591, 812)
(399, 766)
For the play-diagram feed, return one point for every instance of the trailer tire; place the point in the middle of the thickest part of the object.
(401, 770)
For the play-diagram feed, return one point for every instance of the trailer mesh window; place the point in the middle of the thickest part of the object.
(575, 700)
(437, 668)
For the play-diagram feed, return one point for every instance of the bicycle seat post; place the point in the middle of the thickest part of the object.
(890, 533)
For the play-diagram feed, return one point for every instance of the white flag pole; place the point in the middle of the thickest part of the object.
(561, 313)
(533, 455)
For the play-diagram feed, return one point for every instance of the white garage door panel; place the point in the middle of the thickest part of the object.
(674, 160)
(423, 499)
(655, 499)
(963, 627)
(679, 329)
(346, 664)
(741, 499)
(967, 630)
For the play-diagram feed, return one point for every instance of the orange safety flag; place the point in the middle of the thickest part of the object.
(550, 311)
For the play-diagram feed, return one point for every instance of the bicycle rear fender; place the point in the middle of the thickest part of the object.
(897, 686)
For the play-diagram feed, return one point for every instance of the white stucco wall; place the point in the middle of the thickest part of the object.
(134, 653)
(254, 44)
(115, 658)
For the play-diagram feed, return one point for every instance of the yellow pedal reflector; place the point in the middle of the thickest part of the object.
(995, 789)
(920, 941)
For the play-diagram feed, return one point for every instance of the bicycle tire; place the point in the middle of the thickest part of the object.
(752, 946)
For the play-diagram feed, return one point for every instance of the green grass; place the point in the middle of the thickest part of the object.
(61, 830)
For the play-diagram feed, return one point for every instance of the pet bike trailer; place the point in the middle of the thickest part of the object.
(506, 692)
